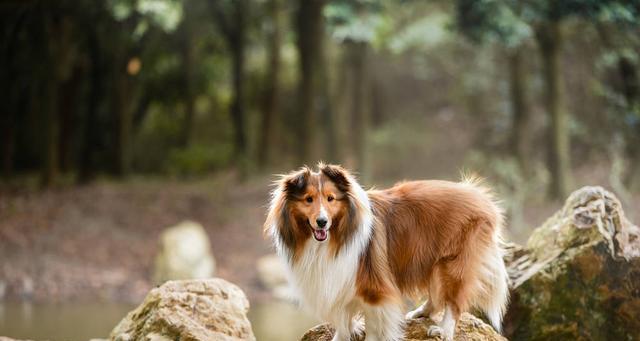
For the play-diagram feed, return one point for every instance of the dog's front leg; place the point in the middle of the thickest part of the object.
(384, 322)
(346, 326)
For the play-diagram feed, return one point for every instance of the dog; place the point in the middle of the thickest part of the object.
(353, 253)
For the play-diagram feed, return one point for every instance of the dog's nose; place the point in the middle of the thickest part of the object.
(322, 222)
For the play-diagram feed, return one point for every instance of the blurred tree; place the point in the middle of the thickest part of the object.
(547, 17)
(272, 92)
(500, 21)
(549, 37)
(354, 24)
(508, 22)
(187, 47)
(618, 26)
(231, 18)
(13, 23)
(309, 28)
(58, 27)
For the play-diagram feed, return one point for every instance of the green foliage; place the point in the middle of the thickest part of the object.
(198, 160)
(356, 21)
(165, 14)
(421, 34)
(492, 20)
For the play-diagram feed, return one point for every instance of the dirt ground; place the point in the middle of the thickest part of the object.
(98, 242)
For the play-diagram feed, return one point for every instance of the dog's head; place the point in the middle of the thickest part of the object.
(321, 205)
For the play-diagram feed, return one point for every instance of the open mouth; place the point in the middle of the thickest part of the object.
(320, 235)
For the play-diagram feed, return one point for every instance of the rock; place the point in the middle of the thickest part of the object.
(578, 277)
(188, 310)
(184, 253)
(4, 338)
(272, 274)
(469, 328)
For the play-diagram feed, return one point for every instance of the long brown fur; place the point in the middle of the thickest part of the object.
(429, 237)
(436, 232)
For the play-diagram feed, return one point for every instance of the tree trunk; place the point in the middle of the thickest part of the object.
(16, 99)
(520, 109)
(550, 41)
(188, 76)
(90, 131)
(67, 115)
(7, 129)
(57, 31)
(359, 117)
(120, 100)
(309, 35)
(51, 127)
(272, 91)
(331, 138)
(631, 91)
(237, 44)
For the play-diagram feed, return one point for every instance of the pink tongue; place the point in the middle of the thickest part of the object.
(320, 235)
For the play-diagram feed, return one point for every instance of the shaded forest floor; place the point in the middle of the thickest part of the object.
(98, 242)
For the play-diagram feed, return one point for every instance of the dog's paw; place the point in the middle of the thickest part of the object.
(476, 323)
(435, 331)
(439, 332)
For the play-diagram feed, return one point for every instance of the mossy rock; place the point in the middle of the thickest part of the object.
(578, 277)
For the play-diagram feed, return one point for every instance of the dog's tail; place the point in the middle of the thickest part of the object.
(492, 295)
(494, 281)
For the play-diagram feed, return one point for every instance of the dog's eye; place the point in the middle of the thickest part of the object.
(309, 199)
(330, 198)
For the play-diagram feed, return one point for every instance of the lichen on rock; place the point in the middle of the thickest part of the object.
(188, 310)
(468, 328)
(578, 277)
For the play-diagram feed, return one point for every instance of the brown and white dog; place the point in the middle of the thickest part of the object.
(352, 252)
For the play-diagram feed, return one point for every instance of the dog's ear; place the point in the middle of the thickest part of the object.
(294, 183)
(337, 175)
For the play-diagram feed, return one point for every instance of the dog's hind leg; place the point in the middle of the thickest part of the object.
(447, 326)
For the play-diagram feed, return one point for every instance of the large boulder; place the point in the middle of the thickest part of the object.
(188, 310)
(468, 328)
(184, 253)
(578, 277)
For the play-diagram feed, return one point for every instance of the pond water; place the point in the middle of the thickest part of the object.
(271, 321)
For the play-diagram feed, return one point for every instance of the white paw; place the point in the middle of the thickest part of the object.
(435, 331)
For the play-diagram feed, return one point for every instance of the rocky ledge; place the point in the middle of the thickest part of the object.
(469, 328)
(189, 310)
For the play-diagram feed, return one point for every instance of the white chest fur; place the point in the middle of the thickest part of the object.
(323, 282)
